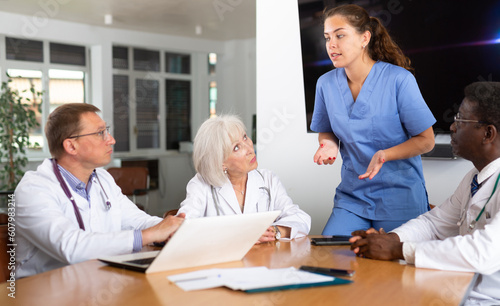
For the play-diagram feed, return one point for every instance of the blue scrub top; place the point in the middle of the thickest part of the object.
(389, 110)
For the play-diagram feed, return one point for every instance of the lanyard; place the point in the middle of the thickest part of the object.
(68, 194)
(473, 223)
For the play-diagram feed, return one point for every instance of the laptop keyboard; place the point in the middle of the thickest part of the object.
(142, 261)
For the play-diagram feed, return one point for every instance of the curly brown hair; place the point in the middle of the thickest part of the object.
(381, 46)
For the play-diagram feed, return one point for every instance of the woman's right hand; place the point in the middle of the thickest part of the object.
(328, 149)
(268, 236)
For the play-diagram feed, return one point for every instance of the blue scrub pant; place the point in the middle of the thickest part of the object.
(344, 222)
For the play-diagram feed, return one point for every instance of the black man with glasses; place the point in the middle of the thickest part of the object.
(70, 209)
(463, 233)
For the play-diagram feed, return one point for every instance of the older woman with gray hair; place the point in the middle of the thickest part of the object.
(228, 182)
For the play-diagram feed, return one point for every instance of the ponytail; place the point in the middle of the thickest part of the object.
(383, 48)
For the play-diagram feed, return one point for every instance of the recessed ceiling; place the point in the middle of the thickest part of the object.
(217, 19)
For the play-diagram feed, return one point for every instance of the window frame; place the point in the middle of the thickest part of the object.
(44, 67)
(160, 76)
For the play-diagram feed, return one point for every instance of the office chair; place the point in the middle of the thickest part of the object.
(134, 181)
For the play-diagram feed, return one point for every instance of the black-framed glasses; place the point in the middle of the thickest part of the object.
(457, 118)
(103, 133)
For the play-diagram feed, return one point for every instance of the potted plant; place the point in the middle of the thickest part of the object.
(17, 118)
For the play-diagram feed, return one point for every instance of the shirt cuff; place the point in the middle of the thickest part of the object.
(409, 252)
(137, 241)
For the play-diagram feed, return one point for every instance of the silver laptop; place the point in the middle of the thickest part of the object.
(201, 241)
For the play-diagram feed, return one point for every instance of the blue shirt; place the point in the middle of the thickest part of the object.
(388, 111)
(78, 186)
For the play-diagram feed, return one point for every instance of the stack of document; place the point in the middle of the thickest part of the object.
(254, 279)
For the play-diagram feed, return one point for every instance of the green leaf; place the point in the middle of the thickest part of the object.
(17, 118)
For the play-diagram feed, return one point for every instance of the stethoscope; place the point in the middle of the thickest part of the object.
(70, 196)
(472, 225)
(215, 196)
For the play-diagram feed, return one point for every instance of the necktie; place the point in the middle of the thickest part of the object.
(474, 186)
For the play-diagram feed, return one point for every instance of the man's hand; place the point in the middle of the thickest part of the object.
(162, 231)
(377, 244)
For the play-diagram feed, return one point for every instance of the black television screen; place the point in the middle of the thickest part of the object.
(451, 43)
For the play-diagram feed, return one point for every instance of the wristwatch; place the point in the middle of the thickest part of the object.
(277, 232)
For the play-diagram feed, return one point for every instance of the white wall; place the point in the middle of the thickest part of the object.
(442, 177)
(235, 76)
(237, 93)
(284, 145)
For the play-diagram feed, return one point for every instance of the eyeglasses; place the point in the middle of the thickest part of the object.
(457, 118)
(103, 133)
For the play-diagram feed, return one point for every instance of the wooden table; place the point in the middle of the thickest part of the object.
(375, 283)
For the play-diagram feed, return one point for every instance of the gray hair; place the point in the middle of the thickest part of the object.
(213, 144)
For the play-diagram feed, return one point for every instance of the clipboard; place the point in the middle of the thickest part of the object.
(336, 281)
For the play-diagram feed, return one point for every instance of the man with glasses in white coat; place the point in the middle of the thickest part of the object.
(70, 210)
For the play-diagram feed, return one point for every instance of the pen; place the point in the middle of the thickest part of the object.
(195, 278)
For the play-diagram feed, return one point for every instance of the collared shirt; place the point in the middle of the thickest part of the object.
(78, 186)
(83, 190)
(488, 171)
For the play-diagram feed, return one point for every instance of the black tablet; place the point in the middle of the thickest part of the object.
(327, 271)
(331, 240)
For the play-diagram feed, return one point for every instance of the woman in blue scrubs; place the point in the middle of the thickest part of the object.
(371, 110)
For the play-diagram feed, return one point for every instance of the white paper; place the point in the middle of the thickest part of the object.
(245, 278)
(274, 278)
(197, 280)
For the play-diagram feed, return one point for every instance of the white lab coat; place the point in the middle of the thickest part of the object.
(441, 243)
(201, 202)
(47, 232)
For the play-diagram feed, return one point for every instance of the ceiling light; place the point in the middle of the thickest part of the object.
(108, 19)
(198, 29)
